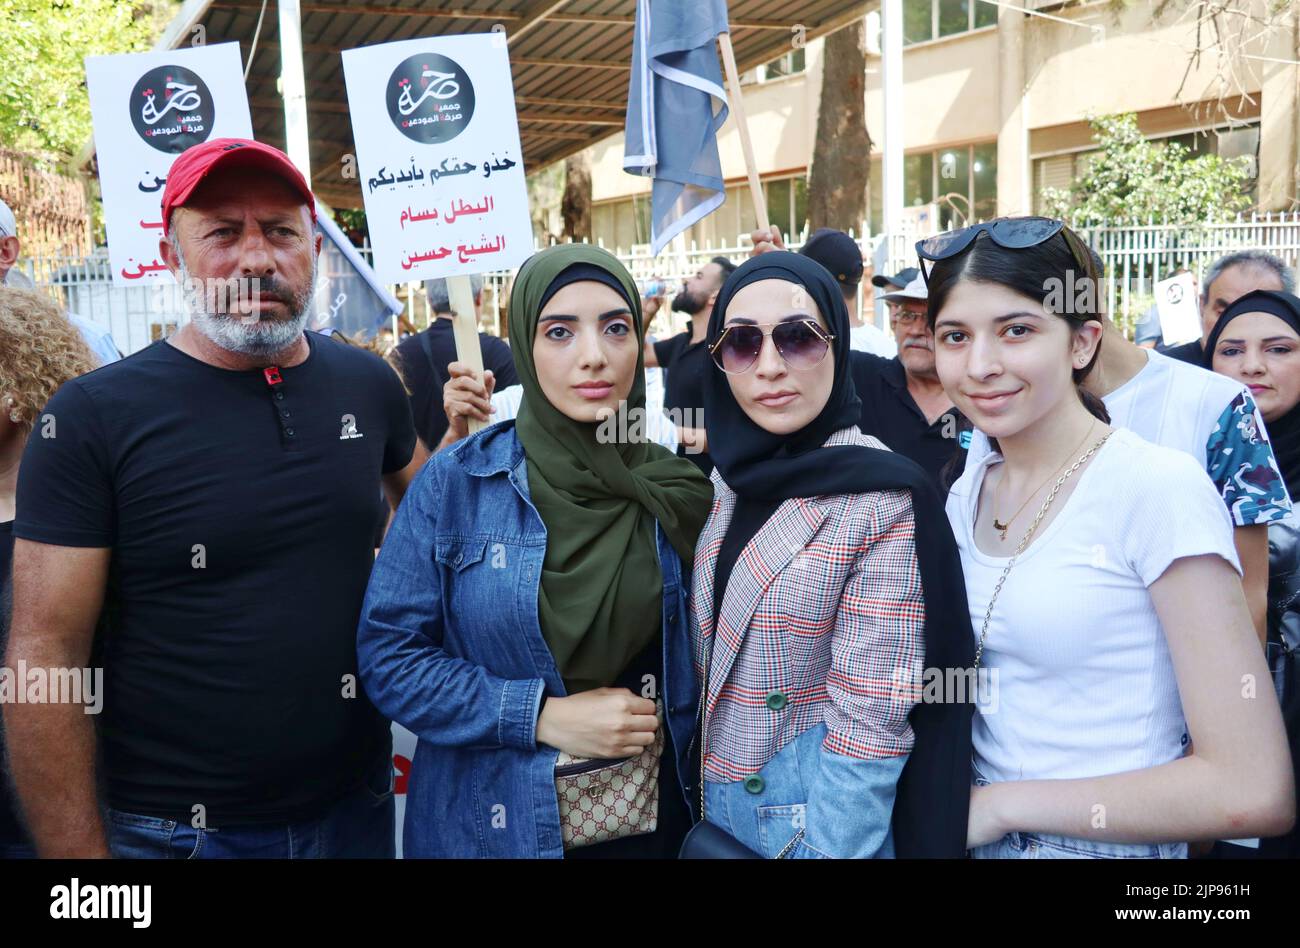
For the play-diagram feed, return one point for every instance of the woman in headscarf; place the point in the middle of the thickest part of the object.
(825, 580)
(526, 615)
(1257, 342)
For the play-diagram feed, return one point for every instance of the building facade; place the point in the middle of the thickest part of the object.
(995, 107)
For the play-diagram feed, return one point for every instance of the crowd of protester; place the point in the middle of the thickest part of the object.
(716, 637)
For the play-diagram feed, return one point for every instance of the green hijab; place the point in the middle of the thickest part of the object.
(601, 587)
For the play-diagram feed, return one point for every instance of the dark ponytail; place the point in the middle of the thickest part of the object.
(1095, 406)
(1033, 272)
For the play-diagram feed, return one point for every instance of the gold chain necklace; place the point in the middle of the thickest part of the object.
(1001, 527)
(1024, 540)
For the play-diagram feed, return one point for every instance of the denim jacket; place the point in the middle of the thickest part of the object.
(450, 646)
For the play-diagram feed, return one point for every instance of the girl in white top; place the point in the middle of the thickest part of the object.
(1125, 594)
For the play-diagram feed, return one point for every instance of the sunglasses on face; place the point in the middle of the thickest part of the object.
(1013, 233)
(802, 344)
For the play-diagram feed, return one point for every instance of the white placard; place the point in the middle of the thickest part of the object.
(1178, 305)
(147, 108)
(438, 156)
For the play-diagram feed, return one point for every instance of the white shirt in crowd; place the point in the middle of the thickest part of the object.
(868, 338)
(1084, 684)
(658, 426)
(99, 340)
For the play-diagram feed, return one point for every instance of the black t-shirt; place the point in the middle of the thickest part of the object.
(1189, 352)
(891, 414)
(685, 365)
(241, 517)
(424, 359)
(10, 829)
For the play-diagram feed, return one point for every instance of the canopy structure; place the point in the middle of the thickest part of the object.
(569, 58)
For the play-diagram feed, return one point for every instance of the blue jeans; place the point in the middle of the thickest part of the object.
(1049, 846)
(359, 826)
(17, 851)
(1046, 846)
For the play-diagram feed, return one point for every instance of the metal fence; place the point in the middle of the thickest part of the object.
(1137, 257)
(1134, 257)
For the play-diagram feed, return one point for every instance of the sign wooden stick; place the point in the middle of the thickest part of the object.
(737, 104)
(464, 327)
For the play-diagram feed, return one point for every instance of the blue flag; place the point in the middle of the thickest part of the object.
(675, 105)
(348, 296)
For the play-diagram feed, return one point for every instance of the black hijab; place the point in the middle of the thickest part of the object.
(755, 463)
(931, 808)
(1283, 432)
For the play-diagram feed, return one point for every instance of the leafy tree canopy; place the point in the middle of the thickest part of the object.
(44, 106)
(1130, 180)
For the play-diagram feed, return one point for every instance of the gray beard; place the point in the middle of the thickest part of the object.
(236, 333)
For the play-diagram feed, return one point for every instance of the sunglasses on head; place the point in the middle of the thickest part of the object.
(1013, 233)
(801, 342)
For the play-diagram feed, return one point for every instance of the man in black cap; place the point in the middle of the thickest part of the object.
(840, 254)
(903, 403)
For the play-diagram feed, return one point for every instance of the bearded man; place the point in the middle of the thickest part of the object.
(685, 360)
(198, 521)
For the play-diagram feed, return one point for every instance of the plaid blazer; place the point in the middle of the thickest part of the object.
(822, 618)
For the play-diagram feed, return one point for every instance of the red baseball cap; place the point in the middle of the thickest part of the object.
(195, 164)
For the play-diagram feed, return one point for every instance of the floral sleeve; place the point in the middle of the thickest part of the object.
(1239, 459)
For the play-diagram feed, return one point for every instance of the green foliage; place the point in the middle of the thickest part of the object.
(44, 106)
(1131, 180)
(352, 221)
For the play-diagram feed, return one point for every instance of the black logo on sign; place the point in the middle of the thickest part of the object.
(171, 109)
(430, 98)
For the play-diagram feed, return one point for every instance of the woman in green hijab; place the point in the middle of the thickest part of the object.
(526, 617)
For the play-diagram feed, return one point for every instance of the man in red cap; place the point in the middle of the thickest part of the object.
(248, 301)
(201, 527)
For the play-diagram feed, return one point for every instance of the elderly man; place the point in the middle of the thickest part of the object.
(903, 402)
(1228, 279)
(98, 339)
(199, 522)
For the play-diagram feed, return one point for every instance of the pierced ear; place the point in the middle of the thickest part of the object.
(1086, 340)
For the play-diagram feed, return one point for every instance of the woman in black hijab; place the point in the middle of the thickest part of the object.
(825, 580)
(1257, 342)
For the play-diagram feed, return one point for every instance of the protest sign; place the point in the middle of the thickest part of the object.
(438, 156)
(440, 164)
(146, 109)
(1178, 305)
